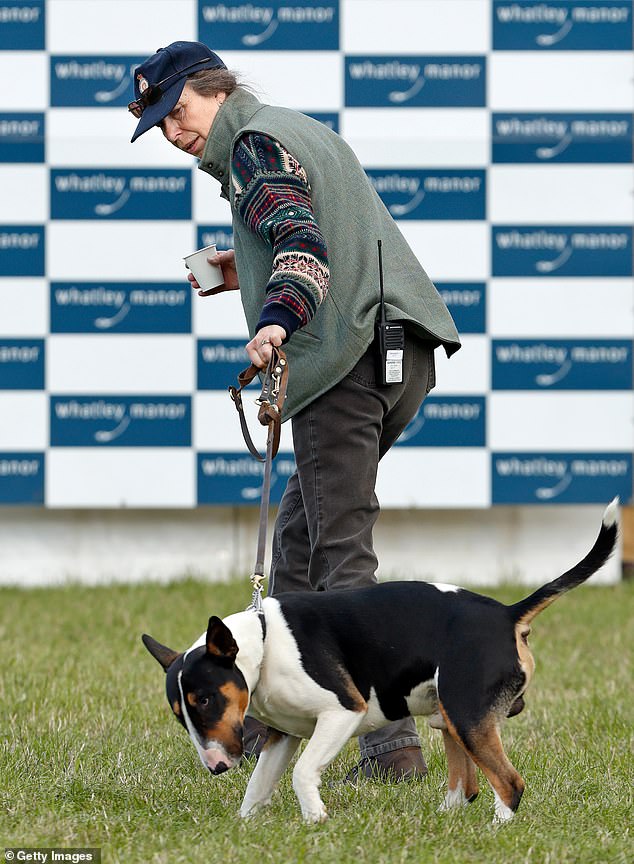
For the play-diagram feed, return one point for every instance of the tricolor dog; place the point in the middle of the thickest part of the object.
(329, 665)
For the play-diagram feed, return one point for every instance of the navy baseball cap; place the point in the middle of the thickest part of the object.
(159, 81)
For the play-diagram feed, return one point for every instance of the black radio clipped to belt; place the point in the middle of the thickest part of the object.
(390, 340)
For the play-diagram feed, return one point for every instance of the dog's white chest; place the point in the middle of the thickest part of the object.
(286, 697)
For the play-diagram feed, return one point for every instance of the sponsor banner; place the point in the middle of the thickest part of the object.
(328, 118)
(221, 235)
(233, 478)
(562, 25)
(22, 25)
(447, 421)
(467, 303)
(557, 250)
(22, 137)
(21, 250)
(120, 193)
(277, 25)
(573, 138)
(561, 364)
(431, 194)
(21, 477)
(21, 364)
(92, 81)
(220, 361)
(560, 478)
(406, 81)
(120, 307)
(120, 421)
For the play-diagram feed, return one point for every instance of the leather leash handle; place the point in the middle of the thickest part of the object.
(271, 400)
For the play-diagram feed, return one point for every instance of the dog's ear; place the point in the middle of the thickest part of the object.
(220, 641)
(164, 655)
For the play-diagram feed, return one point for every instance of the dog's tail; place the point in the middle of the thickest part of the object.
(527, 609)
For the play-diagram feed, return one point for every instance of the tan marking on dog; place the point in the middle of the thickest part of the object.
(233, 718)
(460, 767)
(191, 698)
(272, 738)
(526, 619)
(176, 707)
(359, 702)
(527, 661)
(486, 749)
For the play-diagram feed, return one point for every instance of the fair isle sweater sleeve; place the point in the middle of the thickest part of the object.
(272, 196)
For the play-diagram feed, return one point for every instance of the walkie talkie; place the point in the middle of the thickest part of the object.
(390, 340)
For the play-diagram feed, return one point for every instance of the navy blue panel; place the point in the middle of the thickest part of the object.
(278, 25)
(406, 81)
(560, 478)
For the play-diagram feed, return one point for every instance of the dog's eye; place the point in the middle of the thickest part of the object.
(203, 701)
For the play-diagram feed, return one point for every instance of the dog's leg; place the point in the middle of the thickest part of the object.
(483, 744)
(274, 759)
(462, 781)
(332, 730)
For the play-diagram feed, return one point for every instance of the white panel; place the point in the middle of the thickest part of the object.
(594, 194)
(217, 425)
(563, 81)
(25, 77)
(118, 26)
(418, 137)
(220, 316)
(450, 250)
(467, 371)
(120, 364)
(118, 250)
(434, 477)
(24, 195)
(415, 26)
(24, 304)
(561, 421)
(23, 420)
(91, 137)
(208, 206)
(305, 80)
(128, 477)
(561, 307)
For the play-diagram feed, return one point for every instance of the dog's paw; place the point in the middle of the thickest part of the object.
(248, 811)
(454, 799)
(502, 812)
(316, 816)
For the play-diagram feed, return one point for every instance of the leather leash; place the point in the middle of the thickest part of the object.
(271, 402)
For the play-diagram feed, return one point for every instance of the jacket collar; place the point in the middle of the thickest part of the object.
(235, 113)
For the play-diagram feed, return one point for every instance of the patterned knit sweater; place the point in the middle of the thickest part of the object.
(272, 196)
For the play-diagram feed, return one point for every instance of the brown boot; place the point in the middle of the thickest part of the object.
(397, 766)
(255, 735)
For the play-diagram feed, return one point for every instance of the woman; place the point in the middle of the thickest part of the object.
(306, 223)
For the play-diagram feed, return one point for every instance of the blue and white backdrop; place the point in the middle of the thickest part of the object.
(498, 133)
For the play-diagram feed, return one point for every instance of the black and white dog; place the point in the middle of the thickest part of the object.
(329, 665)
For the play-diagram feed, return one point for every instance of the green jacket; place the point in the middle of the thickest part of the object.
(352, 218)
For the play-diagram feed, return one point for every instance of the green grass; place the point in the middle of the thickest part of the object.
(90, 755)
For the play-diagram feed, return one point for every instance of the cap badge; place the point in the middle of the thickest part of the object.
(143, 83)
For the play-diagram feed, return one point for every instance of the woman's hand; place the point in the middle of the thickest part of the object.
(259, 348)
(226, 260)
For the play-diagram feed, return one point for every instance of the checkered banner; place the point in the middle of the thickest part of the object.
(498, 134)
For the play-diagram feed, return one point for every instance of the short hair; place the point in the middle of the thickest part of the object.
(209, 82)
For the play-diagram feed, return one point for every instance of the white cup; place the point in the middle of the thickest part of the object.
(207, 275)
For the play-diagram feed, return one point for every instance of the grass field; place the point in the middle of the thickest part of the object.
(91, 756)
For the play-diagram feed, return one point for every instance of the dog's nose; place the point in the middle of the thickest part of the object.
(220, 768)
